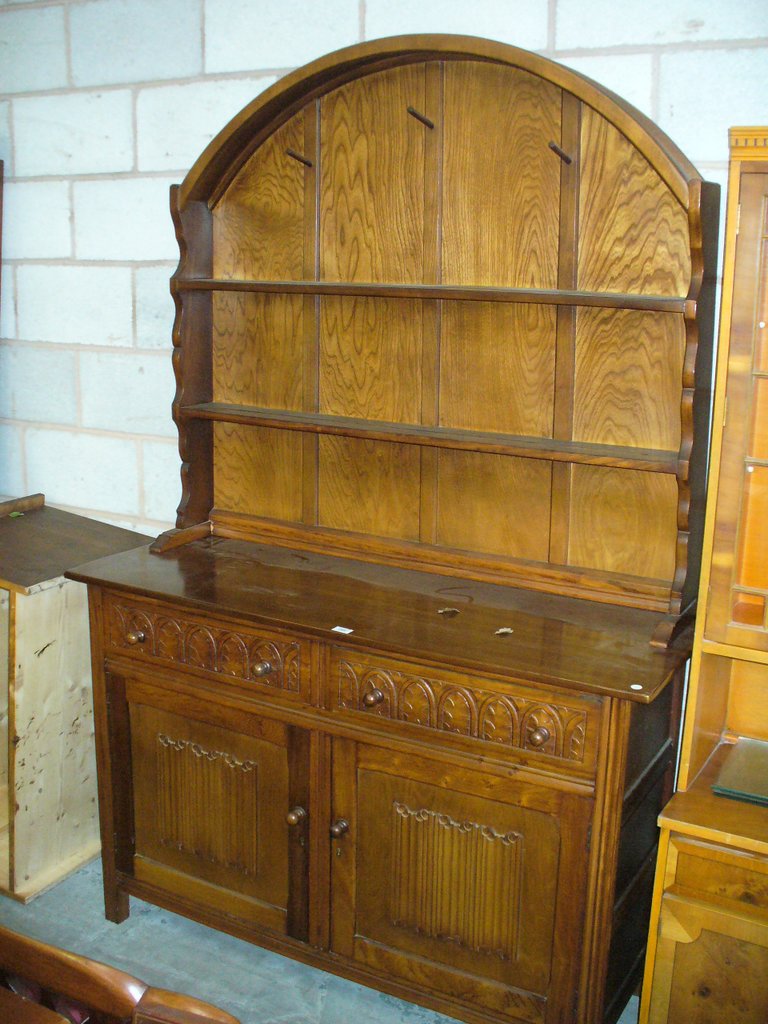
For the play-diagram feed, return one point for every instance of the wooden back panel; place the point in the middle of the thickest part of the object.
(450, 322)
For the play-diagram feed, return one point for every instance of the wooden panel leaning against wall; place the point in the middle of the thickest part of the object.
(708, 945)
(399, 696)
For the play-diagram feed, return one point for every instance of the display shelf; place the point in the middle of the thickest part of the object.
(442, 292)
(618, 456)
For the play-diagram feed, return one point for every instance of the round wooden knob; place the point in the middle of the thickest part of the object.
(295, 816)
(135, 637)
(339, 828)
(538, 737)
(373, 697)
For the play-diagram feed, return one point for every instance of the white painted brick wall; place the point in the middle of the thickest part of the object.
(38, 384)
(175, 123)
(518, 22)
(135, 40)
(11, 459)
(75, 305)
(241, 35)
(124, 219)
(154, 307)
(127, 392)
(73, 133)
(36, 220)
(162, 484)
(105, 103)
(68, 466)
(33, 52)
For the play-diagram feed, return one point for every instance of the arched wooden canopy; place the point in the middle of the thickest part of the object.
(231, 147)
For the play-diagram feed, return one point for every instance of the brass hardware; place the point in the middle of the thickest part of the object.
(339, 828)
(448, 612)
(135, 637)
(263, 668)
(538, 737)
(295, 816)
(505, 631)
(373, 697)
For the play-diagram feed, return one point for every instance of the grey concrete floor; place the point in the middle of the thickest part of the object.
(171, 952)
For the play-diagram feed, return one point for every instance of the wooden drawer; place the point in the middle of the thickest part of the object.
(543, 726)
(726, 874)
(172, 636)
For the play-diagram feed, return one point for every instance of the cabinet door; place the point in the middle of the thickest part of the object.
(211, 788)
(711, 964)
(454, 881)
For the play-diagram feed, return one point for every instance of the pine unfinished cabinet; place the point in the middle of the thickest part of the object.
(48, 813)
(399, 694)
(708, 946)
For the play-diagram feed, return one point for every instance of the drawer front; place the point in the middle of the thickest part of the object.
(710, 870)
(171, 636)
(541, 724)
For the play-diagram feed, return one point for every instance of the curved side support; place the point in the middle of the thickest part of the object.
(192, 359)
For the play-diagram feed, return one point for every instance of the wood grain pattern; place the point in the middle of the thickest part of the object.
(259, 223)
(470, 708)
(372, 179)
(497, 365)
(503, 228)
(183, 768)
(427, 864)
(752, 563)
(628, 378)
(748, 702)
(733, 532)
(258, 470)
(633, 233)
(758, 443)
(258, 349)
(494, 503)
(623, 521)
(712, 964)
(371, 358)
(369, 487)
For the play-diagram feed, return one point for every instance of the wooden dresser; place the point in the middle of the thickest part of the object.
(708, 946)
(399, 697)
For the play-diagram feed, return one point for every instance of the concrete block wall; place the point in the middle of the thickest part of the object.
(105, 103)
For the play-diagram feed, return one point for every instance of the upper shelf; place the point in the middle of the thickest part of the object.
(468, 293)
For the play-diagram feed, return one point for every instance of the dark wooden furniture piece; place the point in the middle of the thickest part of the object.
(399, 696)
(708, 946)
(42, 984)
(48, 813)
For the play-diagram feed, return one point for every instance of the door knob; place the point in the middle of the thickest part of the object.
(339, 828)
(295, 816)
(373, 697)
(538, 737)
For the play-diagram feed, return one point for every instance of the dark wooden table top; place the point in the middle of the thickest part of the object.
(41, 543)
(577, 644)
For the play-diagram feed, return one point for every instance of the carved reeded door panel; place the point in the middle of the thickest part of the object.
(210, 811)
(440, 879)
